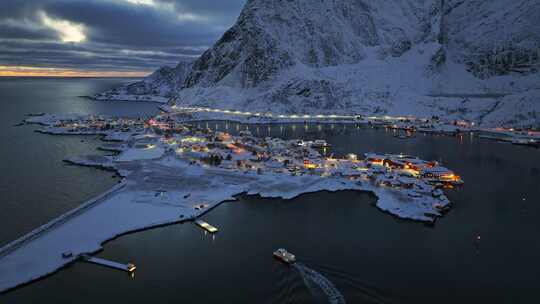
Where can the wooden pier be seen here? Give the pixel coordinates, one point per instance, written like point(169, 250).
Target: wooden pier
point(124, 267)
point(204, 225)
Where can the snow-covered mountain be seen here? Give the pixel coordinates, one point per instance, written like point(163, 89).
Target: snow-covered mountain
point(470, 59)
point(159, 86)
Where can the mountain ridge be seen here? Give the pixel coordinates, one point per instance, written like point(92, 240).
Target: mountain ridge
point(459, 59)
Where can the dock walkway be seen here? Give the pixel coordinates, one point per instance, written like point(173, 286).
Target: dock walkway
point(110, 264)
point(204, 225)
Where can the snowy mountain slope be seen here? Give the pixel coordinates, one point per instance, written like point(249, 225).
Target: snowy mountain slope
point(469, 59)
point(272, 36)
point(494, 37)
point(159, 86)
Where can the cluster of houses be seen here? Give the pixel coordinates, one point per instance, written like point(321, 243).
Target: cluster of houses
point(430, 171)
point(247, 152)
point(100, 124)
point(297, 157)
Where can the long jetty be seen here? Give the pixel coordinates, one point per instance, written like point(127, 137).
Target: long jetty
point(10, 247)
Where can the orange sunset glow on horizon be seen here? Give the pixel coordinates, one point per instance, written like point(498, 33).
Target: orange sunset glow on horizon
point(26, 71)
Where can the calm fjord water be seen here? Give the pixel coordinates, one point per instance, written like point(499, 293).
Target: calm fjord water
point(35, 185)
point(371, 257)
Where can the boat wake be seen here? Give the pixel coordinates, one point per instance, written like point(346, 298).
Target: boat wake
point(315, 280)
point(367, 293)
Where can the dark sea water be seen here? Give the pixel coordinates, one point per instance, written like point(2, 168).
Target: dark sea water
point(369, 256)
point(35, 185)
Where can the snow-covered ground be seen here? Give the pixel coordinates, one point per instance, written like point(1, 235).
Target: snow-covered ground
point(121, 95)
point(163, 186)
point(135, 206)
point(150, 152)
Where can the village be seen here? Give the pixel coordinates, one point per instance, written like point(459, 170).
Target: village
point(298, 157)
point(162, 134)
point(174, 172)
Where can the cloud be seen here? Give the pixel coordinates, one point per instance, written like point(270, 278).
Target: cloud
point(68, 31)
point(142, 2)
point(116, 35)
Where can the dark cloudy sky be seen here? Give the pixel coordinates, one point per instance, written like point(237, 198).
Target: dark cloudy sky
point(128, 36)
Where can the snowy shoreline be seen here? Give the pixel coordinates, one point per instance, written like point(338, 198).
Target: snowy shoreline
point(128, 98)
point(162, 185)
point(15, 252)
point(6, 249)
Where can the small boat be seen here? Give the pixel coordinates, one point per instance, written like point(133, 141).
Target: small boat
point(284, 256)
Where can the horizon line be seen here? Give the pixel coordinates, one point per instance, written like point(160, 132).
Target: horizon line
point(30, 71)
point(71, 76)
